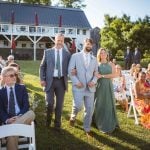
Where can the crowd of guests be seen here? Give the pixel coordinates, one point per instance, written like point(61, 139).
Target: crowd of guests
point(96, 84)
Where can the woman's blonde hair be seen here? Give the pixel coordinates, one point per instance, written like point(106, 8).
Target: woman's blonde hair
point(99, 52)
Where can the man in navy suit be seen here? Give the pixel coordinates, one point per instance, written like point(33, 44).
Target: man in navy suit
point(128, 58)
point(54, 77)
point(137, 56)
point(14, 104)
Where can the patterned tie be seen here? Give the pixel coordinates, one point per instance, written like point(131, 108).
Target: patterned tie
point(58, 64)
point(12, 111)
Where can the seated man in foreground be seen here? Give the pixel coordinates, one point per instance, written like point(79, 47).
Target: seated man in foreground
point(14, 104)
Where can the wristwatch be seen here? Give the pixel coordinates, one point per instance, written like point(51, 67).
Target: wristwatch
point(103, 76)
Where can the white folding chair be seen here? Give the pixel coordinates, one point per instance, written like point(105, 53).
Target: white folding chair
point(19, 130)
point(132, 106)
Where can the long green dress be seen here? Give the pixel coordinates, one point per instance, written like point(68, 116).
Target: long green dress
point(105, 112)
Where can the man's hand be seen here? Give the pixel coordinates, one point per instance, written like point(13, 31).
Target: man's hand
point(91, 84)
point(79, 85)
point(11, 120)
point(43, 83)
point(97, 75)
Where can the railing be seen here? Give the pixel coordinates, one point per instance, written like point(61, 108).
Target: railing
point(29, 30)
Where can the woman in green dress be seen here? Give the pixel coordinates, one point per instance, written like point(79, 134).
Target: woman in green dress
point(105, 112)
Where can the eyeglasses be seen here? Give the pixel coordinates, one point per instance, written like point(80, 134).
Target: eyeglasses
point(11, 75)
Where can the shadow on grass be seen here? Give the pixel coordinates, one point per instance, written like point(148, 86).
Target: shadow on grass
point(131, 139)
point(106, 141)
point(53, 140)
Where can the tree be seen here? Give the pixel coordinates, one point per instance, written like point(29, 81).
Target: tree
point(44, 2)
point(72, 3)
point(120, 32)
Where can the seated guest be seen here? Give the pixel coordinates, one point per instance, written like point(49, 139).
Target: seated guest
point(132, 69)
point(18, 72)
point(138, 69)
point(14, 104)
point(142, 99)
point(148, 67)
point(10, 59)
point(119, 84)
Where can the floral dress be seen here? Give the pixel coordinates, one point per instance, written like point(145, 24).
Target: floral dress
point(119, 91)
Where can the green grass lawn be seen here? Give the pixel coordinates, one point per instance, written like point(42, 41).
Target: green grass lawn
point(129, 137)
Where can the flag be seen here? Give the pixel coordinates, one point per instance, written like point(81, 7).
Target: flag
point(13, 44)
point(12, 17)
point(60, 21)
point(36, 19)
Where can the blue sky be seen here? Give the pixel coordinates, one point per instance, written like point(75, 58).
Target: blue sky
point(96, 9)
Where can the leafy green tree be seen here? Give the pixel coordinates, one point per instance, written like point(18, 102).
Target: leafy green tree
point(120, 32)
point(44, 2)
point(73, 3)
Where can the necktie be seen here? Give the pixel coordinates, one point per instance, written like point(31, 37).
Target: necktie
point(58, 64)
point(12, 111)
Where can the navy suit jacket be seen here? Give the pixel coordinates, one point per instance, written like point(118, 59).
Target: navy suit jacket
point(137, 57)
point(22, 100)
point(128, 57)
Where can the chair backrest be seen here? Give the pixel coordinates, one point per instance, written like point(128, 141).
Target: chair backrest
point(19, 130)
point(132, 105)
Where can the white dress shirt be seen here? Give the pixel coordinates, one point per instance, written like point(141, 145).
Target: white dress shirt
point(87, 58)
point(56, 70)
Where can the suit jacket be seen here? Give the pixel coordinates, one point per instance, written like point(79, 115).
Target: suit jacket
point(48, 64)
point(84, 74)
point(128, 57)
point(137, 57)
point(22, 100)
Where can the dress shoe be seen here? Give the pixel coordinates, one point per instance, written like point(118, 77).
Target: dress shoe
point(89, 134)
point(72, 122)
point(59, 130)
point(48, 123)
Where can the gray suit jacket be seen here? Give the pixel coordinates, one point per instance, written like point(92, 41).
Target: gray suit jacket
point(47, 67)
point(83, 75)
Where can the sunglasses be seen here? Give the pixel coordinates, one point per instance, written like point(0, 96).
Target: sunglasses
point(11, 75)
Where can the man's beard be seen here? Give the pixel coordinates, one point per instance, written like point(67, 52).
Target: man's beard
point(88, 49)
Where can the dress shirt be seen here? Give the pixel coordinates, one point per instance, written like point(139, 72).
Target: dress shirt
point(88, 57)
point(60, 54)
point(17, 109)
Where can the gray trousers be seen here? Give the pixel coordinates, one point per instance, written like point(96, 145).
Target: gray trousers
point(57, 90)
point(88, 99)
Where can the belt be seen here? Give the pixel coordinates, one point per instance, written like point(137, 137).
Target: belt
point(58, 78)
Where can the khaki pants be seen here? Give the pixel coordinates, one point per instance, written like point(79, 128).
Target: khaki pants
point(27, 118)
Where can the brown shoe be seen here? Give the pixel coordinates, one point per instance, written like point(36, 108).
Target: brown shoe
point(89, 134)
point(72, 122)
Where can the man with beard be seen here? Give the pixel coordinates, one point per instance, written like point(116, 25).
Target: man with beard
point(53, 76)
point(82, 67)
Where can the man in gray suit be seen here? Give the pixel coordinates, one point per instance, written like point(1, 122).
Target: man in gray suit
point(53, 76)
point(83, 83)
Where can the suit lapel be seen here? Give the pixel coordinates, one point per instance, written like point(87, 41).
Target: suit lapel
point(17, 92)
point(63, 56)
point(53, 56)
point(5, 97)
